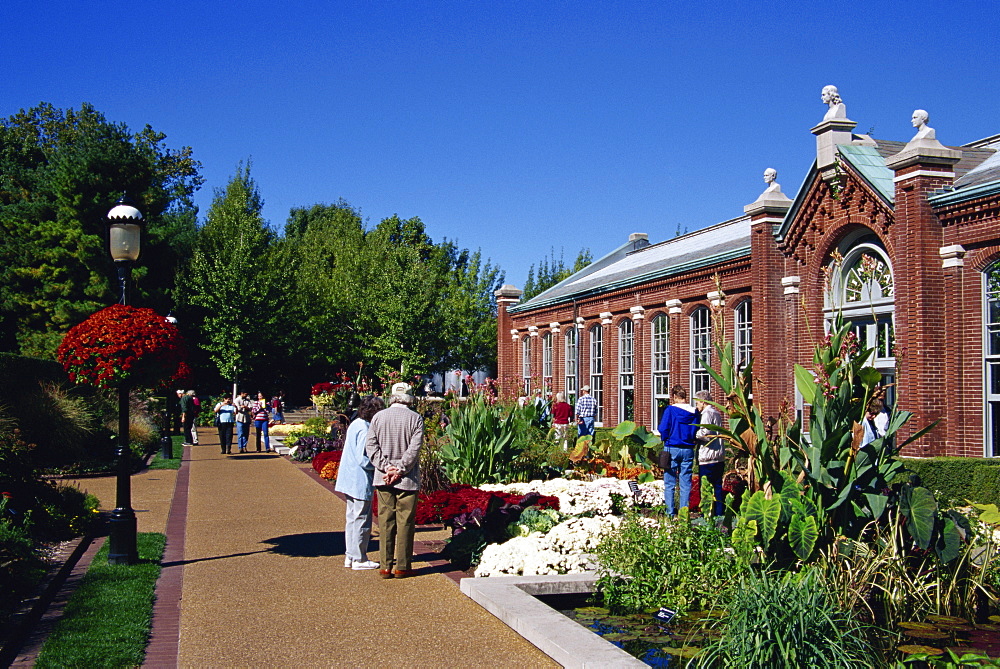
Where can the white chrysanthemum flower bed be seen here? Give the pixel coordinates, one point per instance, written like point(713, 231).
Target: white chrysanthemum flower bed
point(566, 549)
point(580, 498)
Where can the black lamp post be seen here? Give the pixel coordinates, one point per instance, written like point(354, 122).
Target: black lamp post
point(124, 229)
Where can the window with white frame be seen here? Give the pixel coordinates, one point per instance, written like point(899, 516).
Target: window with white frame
point(626, 370)
point(597, 369)
point(547, 361)
point(660, 340)
point(572, 351)
point(743, 317)
point(701, 349)
point(991, 347)
point(526, 365)
point(861, 288)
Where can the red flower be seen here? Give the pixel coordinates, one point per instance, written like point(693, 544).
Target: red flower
point(122, 344)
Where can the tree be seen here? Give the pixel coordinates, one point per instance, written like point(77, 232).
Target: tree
point(551, 272)
point(60, 173)
point(233, 281)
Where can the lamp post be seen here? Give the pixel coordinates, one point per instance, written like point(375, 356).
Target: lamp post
point(124, 230)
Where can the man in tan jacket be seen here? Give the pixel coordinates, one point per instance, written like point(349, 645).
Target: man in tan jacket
point(393, 446)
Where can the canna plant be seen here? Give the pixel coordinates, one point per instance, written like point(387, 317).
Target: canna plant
point(811, 486)
point(482, 443)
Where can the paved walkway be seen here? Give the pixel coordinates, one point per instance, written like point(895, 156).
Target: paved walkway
point(264, 583)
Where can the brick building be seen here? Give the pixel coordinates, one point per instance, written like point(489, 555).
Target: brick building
point(902, 237)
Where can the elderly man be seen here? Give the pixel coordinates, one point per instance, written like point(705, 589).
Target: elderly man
point(586, 412)
point(393, 446)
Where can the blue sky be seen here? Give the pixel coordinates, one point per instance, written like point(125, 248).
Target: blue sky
point(512, 127)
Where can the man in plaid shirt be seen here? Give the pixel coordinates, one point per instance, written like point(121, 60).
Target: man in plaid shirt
point(586, 411)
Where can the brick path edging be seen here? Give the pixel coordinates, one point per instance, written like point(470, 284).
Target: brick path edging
point(164, 639)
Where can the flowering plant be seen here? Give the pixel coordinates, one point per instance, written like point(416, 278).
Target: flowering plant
point(443, 506)
point(123, 345)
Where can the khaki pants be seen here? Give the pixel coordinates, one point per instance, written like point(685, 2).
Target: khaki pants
point(397, 513)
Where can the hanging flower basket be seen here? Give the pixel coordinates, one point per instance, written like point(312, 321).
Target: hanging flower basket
point(123, 345)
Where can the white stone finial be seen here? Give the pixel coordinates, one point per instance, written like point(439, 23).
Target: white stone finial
point(831, 97)
point(919, 121)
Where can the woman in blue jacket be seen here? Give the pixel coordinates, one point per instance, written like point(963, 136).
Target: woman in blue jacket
point(354, 479)
point(678, 428)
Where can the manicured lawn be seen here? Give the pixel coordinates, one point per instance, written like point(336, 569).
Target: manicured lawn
point(108, 618)
point(173, 463)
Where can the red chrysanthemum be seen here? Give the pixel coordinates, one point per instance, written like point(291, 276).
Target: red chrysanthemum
point(123, 345)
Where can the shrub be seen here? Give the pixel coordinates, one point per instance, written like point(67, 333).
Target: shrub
point(957, 479)
point(482, 443)
point(787, 620)
point(681, 564)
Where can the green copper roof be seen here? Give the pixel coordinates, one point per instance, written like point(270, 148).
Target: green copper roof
point(871, 165)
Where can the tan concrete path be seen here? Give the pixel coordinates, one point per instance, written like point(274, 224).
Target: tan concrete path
point(265, 586)
point(152, 490)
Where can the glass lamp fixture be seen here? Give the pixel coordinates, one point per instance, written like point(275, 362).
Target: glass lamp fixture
point(125, 227)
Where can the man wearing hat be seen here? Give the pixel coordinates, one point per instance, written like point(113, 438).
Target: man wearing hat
point(586, 412)
point(393, 445)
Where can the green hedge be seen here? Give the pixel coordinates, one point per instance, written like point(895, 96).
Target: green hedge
point(957, 479)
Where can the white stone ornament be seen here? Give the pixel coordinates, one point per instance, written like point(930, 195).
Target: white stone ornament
point(919, 121)
point(831, 98)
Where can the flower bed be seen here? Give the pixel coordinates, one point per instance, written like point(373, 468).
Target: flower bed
point(443, 506)
point(327, 463)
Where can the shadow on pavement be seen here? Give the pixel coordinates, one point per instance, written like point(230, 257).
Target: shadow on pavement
point(312, 544)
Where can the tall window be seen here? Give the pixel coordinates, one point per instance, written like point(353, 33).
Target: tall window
point(701, 349)
point(660, 331)
point(547, 361)
point(526, 365)
point(862, 290)
point(744, 333)
point(597, 369)
point(571, 360)
point(992, 350)
point(626, 370)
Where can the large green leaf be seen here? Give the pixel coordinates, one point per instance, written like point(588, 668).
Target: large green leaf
point(920, 509)
point(948, 544)
point(624, 429)
point(802, 536)
point(805, 381)
point(877, 503)
point(771, 519)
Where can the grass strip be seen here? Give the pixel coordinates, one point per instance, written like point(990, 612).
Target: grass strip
point(107, 620)
point(177, 450)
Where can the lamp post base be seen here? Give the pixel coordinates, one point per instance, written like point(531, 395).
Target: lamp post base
point(122, 537)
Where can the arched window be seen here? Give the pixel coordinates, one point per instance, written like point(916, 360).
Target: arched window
point(597, 369)
point(701, 349)
point(572, 357)
point(547, 361)
point(660, 340)
point(743, 319)
point(991, 347)
point(861, 288)
point(626, 370)
point(526, 365)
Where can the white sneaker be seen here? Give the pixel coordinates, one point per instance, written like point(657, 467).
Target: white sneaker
point(348, 562)
point(366, 564)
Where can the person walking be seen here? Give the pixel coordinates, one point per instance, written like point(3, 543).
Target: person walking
point(355, 479)
point(261, 420)
point(278, 408)
point(225, 420)
point(561, 411)
point(393, 445)
point(243, 419)
point(586, 412)
point(711, 448)
point(677, 429)
point(187, 418)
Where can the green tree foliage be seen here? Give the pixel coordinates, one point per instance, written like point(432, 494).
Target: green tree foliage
point(389, 296)
point(233, 281)
point(552, 271)
point(60, 173)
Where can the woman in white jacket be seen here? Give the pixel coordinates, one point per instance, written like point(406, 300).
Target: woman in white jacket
point(711, 448)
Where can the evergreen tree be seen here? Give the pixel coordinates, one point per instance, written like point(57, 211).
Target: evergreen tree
point(551, 272)
point(61, 171)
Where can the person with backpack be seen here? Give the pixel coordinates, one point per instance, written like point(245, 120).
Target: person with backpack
point(190, 405)
point(278, 408)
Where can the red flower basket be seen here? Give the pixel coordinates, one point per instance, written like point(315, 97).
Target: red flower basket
point(123, 345)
